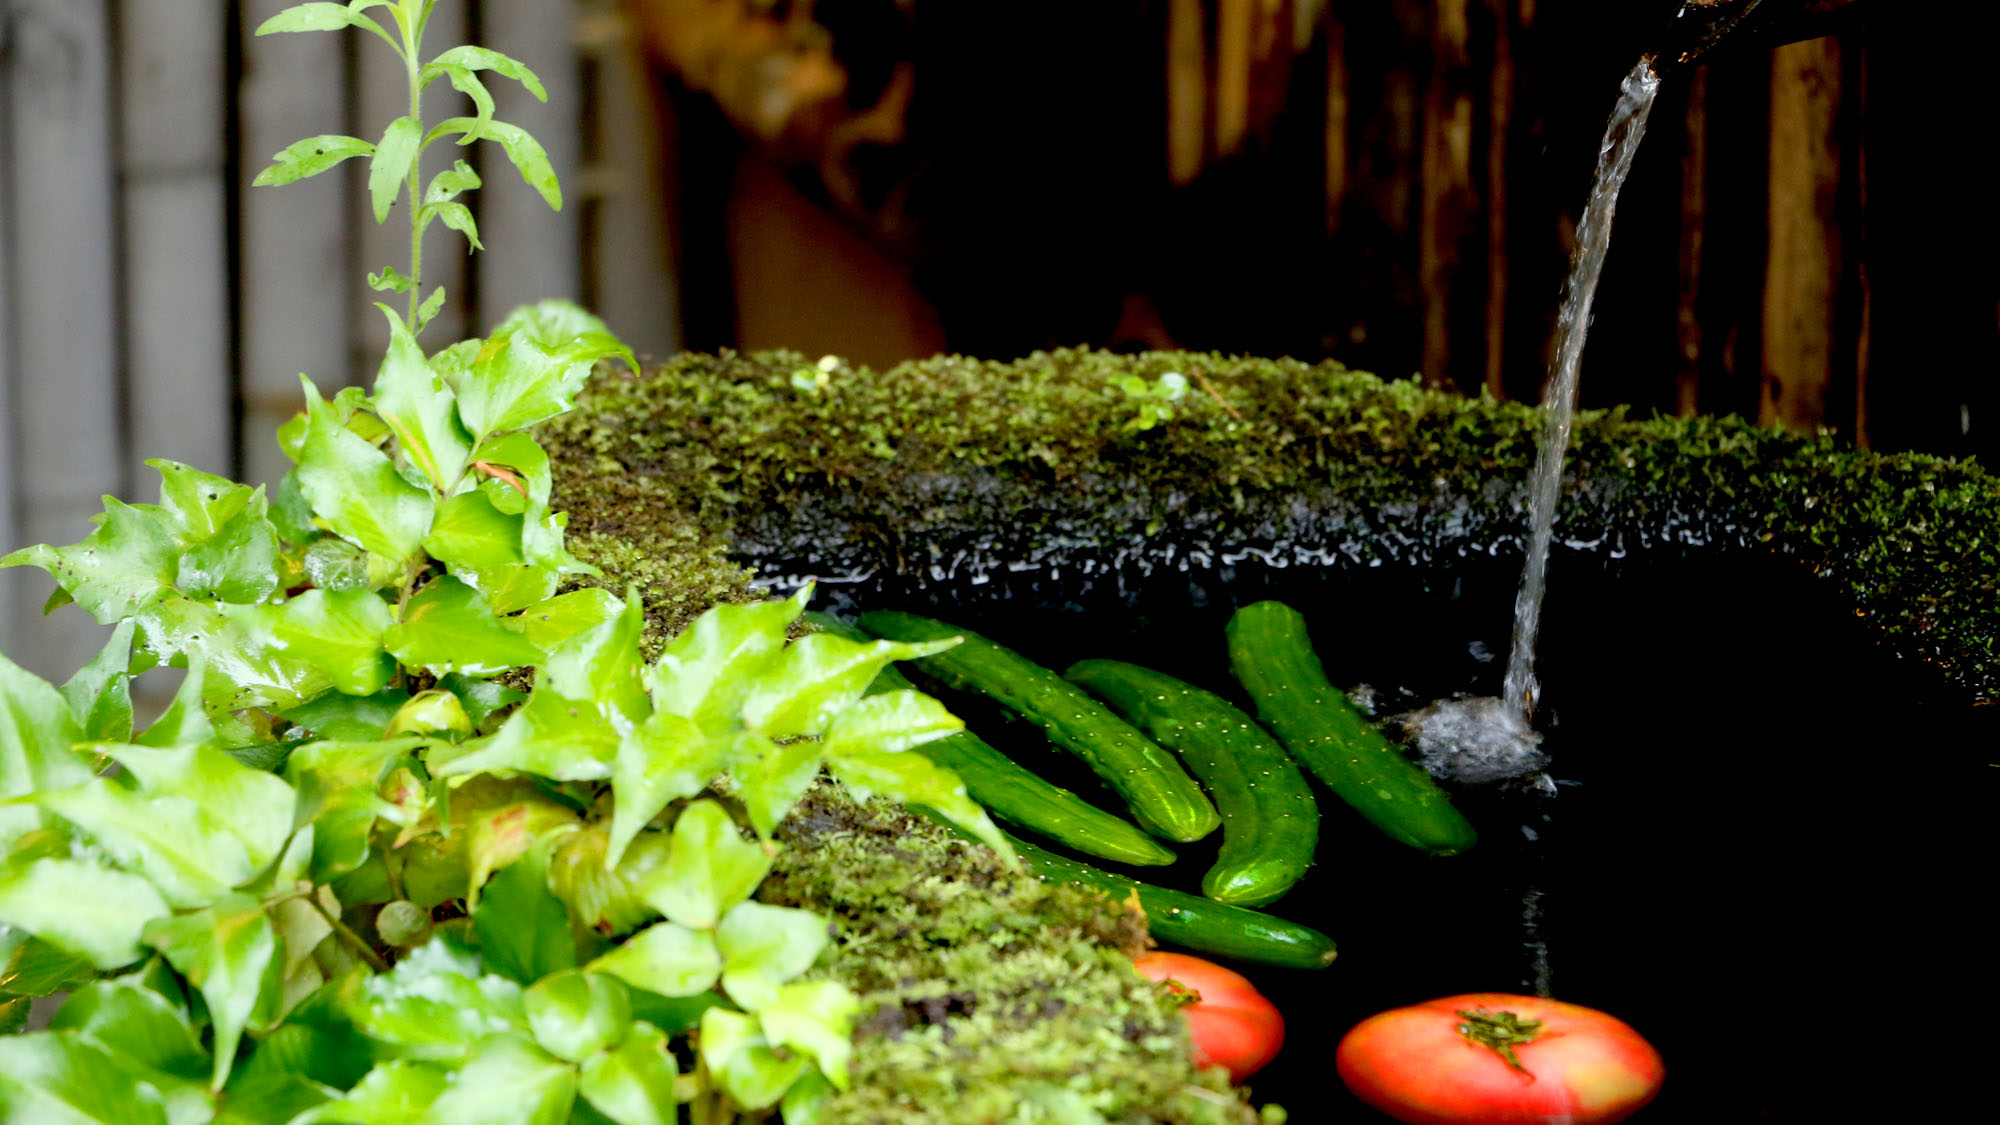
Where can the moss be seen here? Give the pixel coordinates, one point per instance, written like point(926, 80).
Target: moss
point(985, 992)
point(952, 467)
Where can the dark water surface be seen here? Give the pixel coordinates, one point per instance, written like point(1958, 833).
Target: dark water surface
point(1768, 852)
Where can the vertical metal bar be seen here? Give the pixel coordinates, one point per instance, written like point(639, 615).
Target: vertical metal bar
point(64, 326)
point(534, 253)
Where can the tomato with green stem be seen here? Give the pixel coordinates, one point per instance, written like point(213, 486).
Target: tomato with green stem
point(1491, 1058)
point(1232, 1024)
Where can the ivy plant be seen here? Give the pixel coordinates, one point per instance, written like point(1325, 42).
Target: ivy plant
point(354, 873)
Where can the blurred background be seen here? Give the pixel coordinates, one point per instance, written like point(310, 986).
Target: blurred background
point(1389, 183)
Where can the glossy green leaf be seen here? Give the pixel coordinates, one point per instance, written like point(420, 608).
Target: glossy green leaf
point(395, 153)
point(201, 505)
point(185, 722)
point(479, 58)
point(351, 718)
point(14, 1013)
point(353, 487)
point(508, 1081)
point(413, 400)
point(339, 632)
point(556, 621)
point(189, 858)
point(224, 951)
point(252, 805)
point(469, 533)
point(445, 187)
point(247, 667)
point(37, 733)
point(100, 694)
point(575, 1014)
point(603, 664)
point(660, 760)
point(557, 737)
point(633, 1083)
point(742, 1061)
point(394, 1093)
point(136, 1025)
point(610, 901)
point(521, 378)
point(36, 968)
point(80, 907)
point(522, 928)
point(710, 868)
point(889, 722)
point(127, 564)
point(916, 780)
point(765, 946)
point(307, 158)
point(819, 676)
point(435, 1004)
point(337, 566)
point(708, 671)
point(666, 958)
point(449, 627)
point(238, 564)
point(431, 712)
point(269, 1098)
point(51, 1079)
point(527, 154)
point(772, 778)
point(816, 1017)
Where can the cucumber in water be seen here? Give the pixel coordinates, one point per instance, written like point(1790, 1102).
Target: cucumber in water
point(1012, 793)
point(1270, 822)
point(1273, 659)
point(1163, 798)
point(1193, 922)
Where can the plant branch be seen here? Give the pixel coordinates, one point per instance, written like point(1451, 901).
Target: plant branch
point(353, 940)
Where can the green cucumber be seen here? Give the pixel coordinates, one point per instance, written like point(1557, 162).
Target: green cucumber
point(1273, 658)
point(1163, 798)
point(1270, 822)
point(1012, 793)
point(1193, 922)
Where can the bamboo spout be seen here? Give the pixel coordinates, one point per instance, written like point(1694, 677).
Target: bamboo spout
point(1702, 26)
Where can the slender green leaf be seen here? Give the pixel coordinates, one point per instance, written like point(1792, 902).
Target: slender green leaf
point(307, 158)
point(522, 928)
point(51, 1079)
point(468, 83)
point(667, 958)
point(449, 627)
point(479, 58)
point(432, 305)
point(356, 490)
point(225, 952)
point(709, 871)
point(527, 154)
point(395, 153)
point(633, 1083)
point(458, 217)
point(763, 947)
point(447, 186)
point(889, 722)
point(80, 907)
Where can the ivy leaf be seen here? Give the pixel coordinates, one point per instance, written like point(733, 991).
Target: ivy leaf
point(818, 676)
point(353, 487)
point(36, 968)
point(37, 733)
point(889, 722)
point(339, 632)
point(609, 900)
point(558, 737)
point(773, 777)
point(633, 1083)
point(575, 1014)
point(710, 868)
point(470, 534)
point(498, 836)
point(191, 860)
point(184, 722)
point(413, 400)
point(435, 1004)
point(479, 58)
point(916, 780)
point(348, 718)
point(201, 505)
point(394, 1093)
point(238, 563)
point(603, 664)
point(521, 925)
point(225, 952)
point(390, 167)
point(816, 1017)
point(522, 377)
point(662, 759)
point(60, 1078)
point(449, 627)
point(508, 1081)
point(127, 564)
point(432, 712)
point(82, 908)
point(252, 805)
point(763, 947)
point(246, 666)
point(307, 158)
point(804, 1103)
point(742, 1060)
point(100, 694)
point(138, 1026)
point(666, 958)
point(270, 1097)
point(707, 671)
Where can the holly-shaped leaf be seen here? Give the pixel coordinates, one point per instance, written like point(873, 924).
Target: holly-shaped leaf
point(127, 564)
point(888, 722)
point(575, 1014)
point(225, 951)
point(763, 947)
point(816, 1017)
point(341, 633)
point(100, 694)
point(772, 777)
point(633, 1083)
point(523, 376)
point(660, 760)
point(916, 780)
point(238, 564)
point(419, 408)
point(523, 930)
point(252, 805)
point(742, 1061)
point(710, 868)
point(667, 958)
point(355, 489)
point(80, 907)
point(819, 676)
point(708, 671)
point(449, 627)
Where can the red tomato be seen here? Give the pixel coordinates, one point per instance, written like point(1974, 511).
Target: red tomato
point(1233, 1025)
point(1494, 1059)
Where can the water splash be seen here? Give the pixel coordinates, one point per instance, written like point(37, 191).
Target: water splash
point(1593, 242)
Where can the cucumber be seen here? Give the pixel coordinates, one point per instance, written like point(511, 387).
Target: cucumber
point(1193, 922)
point(1163, 798)
point(1273, 659)
point(1270, 822)
point(1012, 793)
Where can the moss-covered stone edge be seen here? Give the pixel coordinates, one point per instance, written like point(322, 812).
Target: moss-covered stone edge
point(682, 479)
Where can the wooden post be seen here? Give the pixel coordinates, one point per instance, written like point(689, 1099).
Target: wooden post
point(1802, 278)
point(1448, 195)
point(175, 234)
point(1233, 22)
point(1500, 103)
point(1187, 90)
point(1694, 230)
point(535, 253)
point(1338, 95)
point(62, 271)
